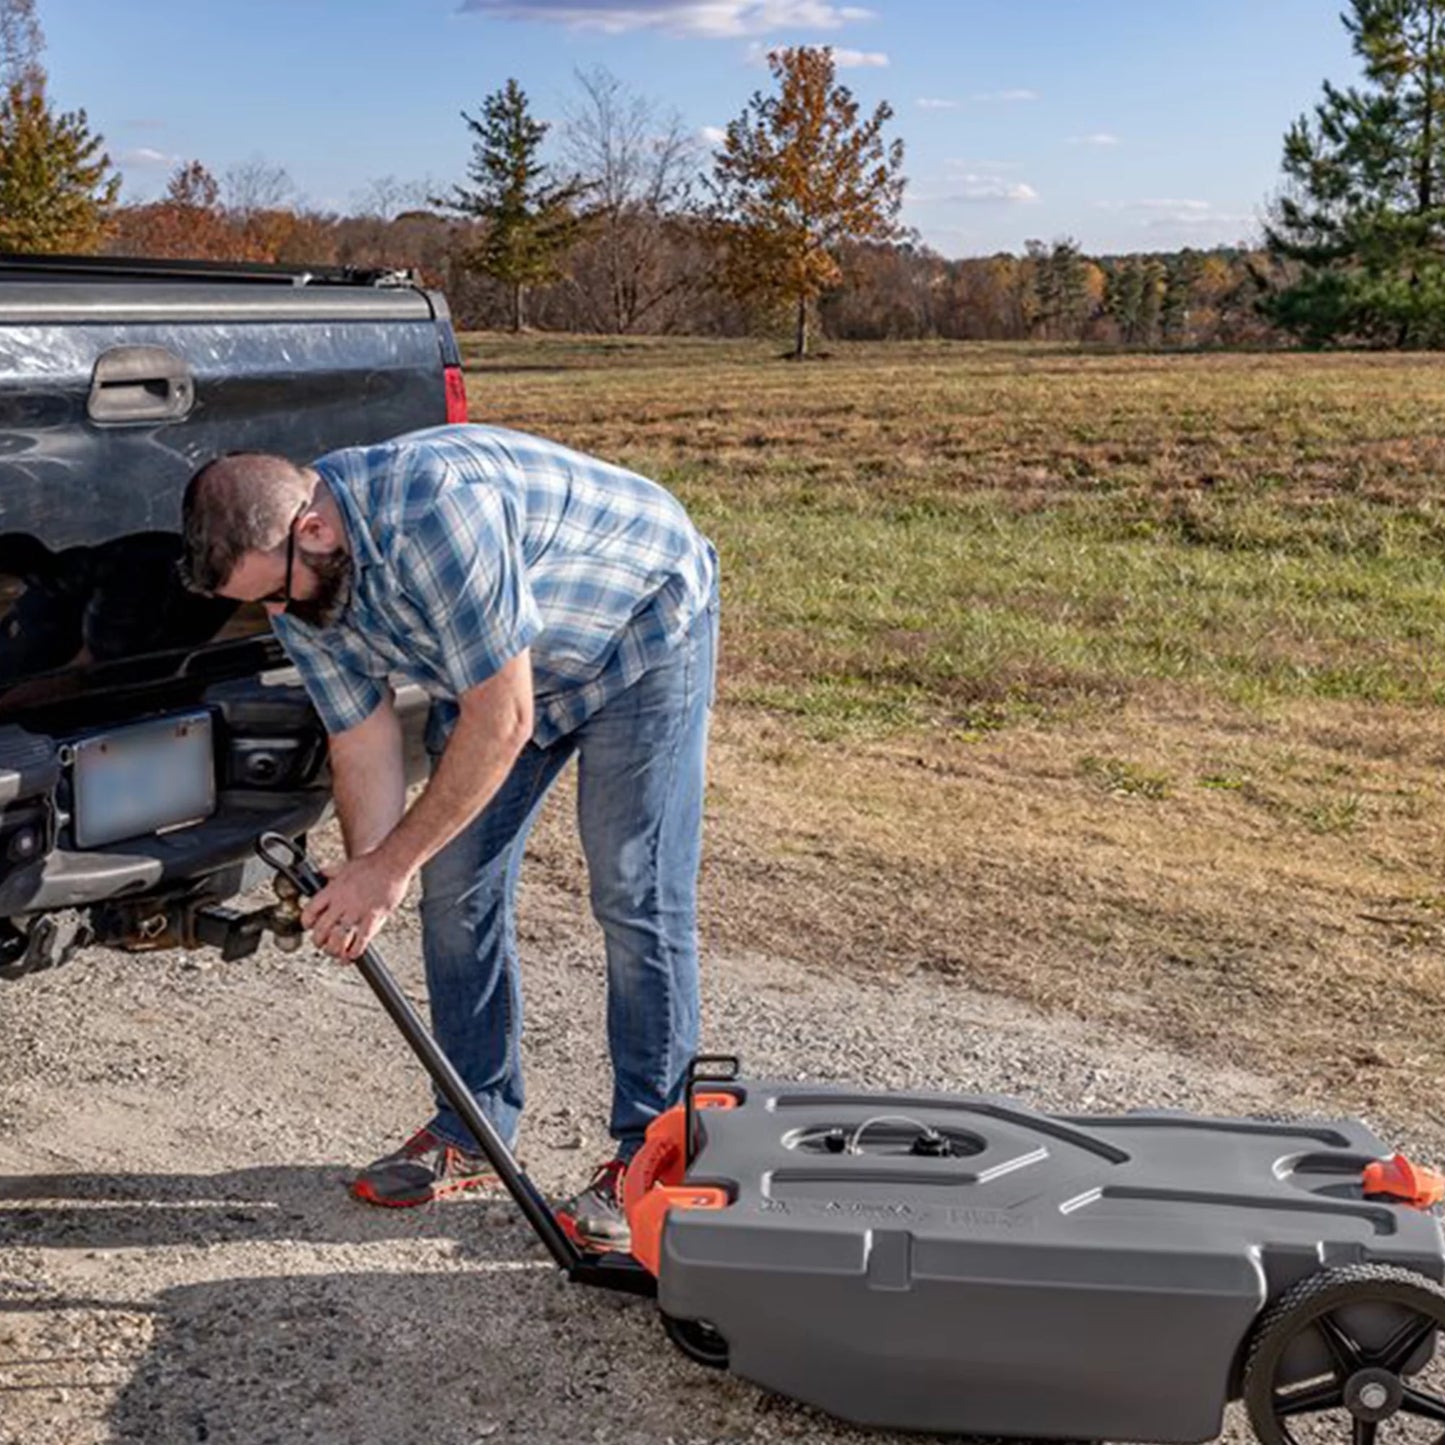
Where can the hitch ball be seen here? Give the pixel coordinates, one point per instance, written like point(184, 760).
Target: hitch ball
point(284, 916)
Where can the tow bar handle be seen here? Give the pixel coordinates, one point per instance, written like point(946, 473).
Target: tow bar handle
point(612, 1271)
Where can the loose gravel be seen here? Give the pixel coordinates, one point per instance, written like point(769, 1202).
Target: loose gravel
point(179, 1261)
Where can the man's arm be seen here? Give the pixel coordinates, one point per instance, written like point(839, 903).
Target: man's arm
point(368, 779)
point(493, 727)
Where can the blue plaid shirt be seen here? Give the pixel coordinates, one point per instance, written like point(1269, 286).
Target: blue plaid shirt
point(470, 543)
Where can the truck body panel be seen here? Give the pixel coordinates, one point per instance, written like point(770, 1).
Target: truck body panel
point(117, 381)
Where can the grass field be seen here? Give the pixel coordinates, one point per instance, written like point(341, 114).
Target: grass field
point(1107, 681)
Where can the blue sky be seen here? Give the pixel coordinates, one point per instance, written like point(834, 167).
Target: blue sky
point(1127, 124)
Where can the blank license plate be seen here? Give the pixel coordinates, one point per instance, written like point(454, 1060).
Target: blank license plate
point(143, 778)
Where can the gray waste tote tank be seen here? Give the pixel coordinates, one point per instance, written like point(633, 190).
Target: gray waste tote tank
point(960, 1263)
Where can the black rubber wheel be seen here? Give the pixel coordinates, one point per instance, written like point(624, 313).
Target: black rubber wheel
point(1336, 1354)
point(698, 1341)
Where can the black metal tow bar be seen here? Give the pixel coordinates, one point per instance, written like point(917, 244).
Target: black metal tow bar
point(608, 1271)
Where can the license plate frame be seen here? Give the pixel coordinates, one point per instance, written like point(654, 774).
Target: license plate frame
point(141, 779)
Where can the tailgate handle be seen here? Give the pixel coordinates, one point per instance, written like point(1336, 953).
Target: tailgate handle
point(140, 383)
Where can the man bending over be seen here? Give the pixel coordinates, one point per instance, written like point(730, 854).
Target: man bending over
point(553, 606)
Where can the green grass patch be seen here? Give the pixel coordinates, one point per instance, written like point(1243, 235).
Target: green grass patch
point(959, 536)
point(1123, 779)
point(1329, 814)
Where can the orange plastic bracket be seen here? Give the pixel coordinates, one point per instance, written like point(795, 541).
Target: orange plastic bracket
point(1399, 1178)
point(653, 1185)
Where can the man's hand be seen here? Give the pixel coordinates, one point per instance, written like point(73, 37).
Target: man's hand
point(360, 895)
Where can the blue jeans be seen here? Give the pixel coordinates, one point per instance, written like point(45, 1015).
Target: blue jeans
point(640, 766)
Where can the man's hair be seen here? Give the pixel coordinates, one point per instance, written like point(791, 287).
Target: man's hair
point(238, 503)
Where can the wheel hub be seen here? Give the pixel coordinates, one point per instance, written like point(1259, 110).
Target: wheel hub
point(1373, 1395)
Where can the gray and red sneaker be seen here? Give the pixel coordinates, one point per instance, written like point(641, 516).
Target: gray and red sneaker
point(424, 1169)
point(595, 1218)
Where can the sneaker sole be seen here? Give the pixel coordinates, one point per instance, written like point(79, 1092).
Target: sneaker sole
point(361, 1190)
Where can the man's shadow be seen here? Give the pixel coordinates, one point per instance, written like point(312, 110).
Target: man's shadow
point(474, 1335)
point(144, 1211)
point(480, 1348)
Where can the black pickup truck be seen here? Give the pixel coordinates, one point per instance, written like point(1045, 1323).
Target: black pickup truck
point(148, 736)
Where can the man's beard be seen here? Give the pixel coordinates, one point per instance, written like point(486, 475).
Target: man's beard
point(332, 571)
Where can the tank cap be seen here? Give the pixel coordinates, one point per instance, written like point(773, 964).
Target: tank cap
point(1410, 1183)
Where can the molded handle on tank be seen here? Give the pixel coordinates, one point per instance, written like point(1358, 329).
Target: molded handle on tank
point(1401, 1178)
point(140, 383)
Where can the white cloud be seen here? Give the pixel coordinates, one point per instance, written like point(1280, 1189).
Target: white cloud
point(984, 189)
point(1098, 138)
point(713, 135)
point(929, 103)
point(1170, 213)
point(1165, 209)
point(708, 19)
point(1152, 205)
point(1210, 219)
point(147, 156)
point(1159, 215)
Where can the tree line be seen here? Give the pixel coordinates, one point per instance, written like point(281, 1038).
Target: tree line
point(648, 274)
point(616, 220)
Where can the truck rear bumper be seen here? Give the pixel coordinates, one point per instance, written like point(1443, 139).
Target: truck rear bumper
point(262, 720)
point(183, 858)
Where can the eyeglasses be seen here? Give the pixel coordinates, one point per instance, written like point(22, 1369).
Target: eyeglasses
point(283, 594)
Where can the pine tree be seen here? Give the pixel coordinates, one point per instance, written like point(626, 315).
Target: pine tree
point(1181, 278)
point(56, 186)
point(1041, 304)
point(531, 222)
point(1124, 299)
point(797, 177)
point(1154, 276)
point(1070, 287)
point(56, 193)
point(1360, 226)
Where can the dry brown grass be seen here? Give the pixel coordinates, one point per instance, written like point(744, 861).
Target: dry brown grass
point(1250, 923)
point(960, 416)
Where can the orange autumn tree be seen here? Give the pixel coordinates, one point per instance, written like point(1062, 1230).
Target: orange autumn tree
point(797, 175)
point(186, 223)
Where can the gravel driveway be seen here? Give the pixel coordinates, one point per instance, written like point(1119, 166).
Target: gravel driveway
point(179, 1261)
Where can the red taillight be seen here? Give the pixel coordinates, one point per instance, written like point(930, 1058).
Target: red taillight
point(456, 385)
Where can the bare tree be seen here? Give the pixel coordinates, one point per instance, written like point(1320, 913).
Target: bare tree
point(386, 197)
point(640, 164)
point(255, 185)
point(21, 42)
